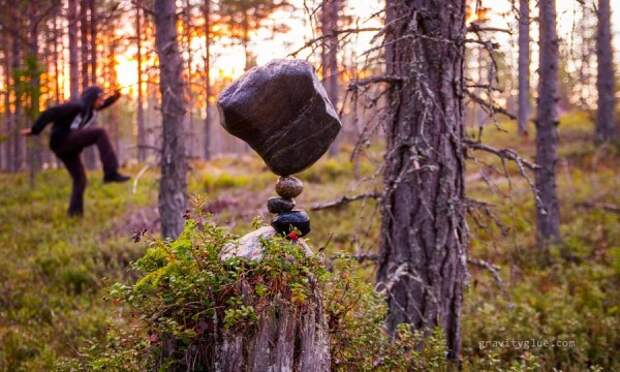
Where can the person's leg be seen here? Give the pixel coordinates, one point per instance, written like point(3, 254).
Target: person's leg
point(76, 170)
point(96, 136)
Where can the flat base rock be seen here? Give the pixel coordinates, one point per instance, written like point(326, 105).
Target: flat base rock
point(250, 247)
point(283, 112)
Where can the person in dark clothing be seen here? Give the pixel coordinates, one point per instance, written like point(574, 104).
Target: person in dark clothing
point(71, 134)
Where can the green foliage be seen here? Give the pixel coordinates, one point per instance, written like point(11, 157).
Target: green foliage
point(217, 181)
point(184, 285)
point(359, 342)
point(55, 269)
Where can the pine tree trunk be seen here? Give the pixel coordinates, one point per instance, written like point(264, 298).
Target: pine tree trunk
point(207, 128)
point(547, 211)
point(524, 66)
point(56, 59)
point(329, 55)
point(190, 135)
point(605, 82)
point(140, 103)
point(173, 183)
point(17, 155)
point(34, 146)
point(424, 234)
point(93, 41)
point(90, 155)
point(73, 49)
point(8, 115)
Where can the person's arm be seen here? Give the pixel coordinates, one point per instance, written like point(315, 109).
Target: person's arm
point(110, 100)
point(50, 115)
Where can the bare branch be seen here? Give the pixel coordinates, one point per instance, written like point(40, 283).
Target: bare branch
point(607, 207)
point(345, 200)
point(494, 270)
point(509, 154)
point(490, 106)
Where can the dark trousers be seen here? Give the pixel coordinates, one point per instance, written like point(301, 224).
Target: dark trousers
point(69, 150)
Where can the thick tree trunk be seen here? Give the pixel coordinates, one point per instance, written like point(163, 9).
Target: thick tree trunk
point(329, 55)
point(73, 49)
point(605, 82)
point(207, 128)
point(524, 66)
point(140, 103)
point(173, 183)
point(424, 233)
point(547, 211)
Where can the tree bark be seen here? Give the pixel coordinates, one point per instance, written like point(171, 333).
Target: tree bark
point(17, 155)
point(547, 211)
point(173, 183)
point(207, 128)
point(329, 55)
point(140, 103)
point(424, 233)
point(84, 44)
point(190, 135)
point(56, 58)
point(90, 155)
point(34, 146)
point(605, 81)
point(73, 49)
point(524, 66)
point(8, 115)
point(93, 40)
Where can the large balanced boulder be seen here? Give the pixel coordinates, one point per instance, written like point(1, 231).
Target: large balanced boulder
point(282, 111)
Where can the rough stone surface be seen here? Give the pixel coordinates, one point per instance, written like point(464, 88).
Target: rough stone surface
point(250, 247)
point(282, 111)
point(279, 205)
point(289, 187)
point(299, 219)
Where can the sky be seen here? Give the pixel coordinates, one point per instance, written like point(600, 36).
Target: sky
point(229, 61)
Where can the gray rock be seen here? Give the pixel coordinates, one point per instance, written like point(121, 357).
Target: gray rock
point(289, 187)
point(278, 205)
point(250, 245)
point(282, 111)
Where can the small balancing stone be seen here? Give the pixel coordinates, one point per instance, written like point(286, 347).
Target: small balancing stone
point(289, 187)
point(293, 224)
point(276, 204)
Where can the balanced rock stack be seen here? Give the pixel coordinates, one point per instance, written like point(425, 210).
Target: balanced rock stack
point(283, 112)
point(288, 221)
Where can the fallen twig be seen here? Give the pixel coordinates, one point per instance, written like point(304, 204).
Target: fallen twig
point(345, 200)
point(494, 270)
point(134, 189)
point(604, 206)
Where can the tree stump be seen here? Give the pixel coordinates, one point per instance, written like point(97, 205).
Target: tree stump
point(285, 337)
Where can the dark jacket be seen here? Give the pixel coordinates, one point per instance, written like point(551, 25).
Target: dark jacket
point(62, 116)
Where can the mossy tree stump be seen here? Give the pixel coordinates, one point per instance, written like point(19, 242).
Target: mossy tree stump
point(286, 331)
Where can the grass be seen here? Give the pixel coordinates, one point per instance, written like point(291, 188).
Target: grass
point(57, 271)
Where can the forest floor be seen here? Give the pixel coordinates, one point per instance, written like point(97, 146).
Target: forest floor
point(56, 272)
